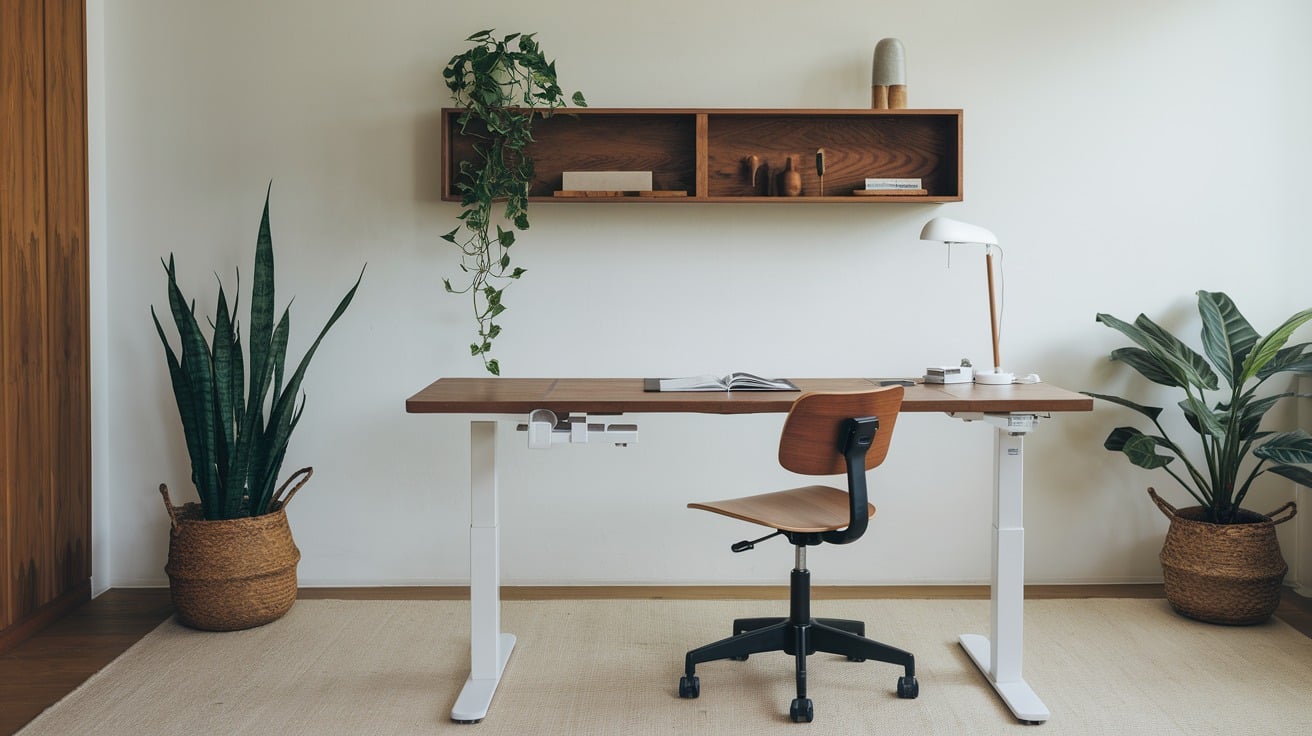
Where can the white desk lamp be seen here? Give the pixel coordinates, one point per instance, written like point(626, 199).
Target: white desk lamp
point(947, 230)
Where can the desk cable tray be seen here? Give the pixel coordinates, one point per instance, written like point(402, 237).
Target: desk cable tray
point(546, 429)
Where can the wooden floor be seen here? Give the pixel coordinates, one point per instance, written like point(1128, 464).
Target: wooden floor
point(43, 669)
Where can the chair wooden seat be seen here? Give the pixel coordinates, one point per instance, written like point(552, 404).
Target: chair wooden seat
point(806, 509)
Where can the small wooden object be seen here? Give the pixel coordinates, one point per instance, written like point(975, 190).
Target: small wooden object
point(790, 180)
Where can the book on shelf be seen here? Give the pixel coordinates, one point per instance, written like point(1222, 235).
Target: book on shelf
point(893, 183)
point(731, 382)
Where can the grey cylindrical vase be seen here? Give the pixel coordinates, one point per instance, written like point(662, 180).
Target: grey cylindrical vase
point(888, 75)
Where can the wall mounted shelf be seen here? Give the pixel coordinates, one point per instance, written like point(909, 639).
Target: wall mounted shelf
point(701, 155)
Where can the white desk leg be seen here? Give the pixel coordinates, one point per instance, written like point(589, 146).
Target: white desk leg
point(999, 659)
point(489, 649)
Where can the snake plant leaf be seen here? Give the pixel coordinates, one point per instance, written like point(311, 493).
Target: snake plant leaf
point(224, 437)
point(1292, 359)
point(1148, 365)
point(1301, 476)
point(284, 405)
point(1142, 451)
point(1195, 367)
point(1268, 347)
point(262, 288)
point(1227, 335)
point(198, 371)
point(263, 445)
point(1151, 412)
point(182, 394)
point(1287, 447)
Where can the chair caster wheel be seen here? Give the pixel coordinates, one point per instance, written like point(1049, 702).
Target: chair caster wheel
point(856, 659)
point(741, 658)
point(690, 687)
point(907, 687)
point(801, 711)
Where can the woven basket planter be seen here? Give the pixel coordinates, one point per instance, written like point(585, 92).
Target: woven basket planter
point(232, 574)
point(1223, 573)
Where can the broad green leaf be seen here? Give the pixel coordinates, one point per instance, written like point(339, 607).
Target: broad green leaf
point(1268, 347)
point(1118, 437)
point(1287, 447)
point(1147, 364)
point(1292, 359)
point(578, 99)
point(1142, 451)
point(1196, 368)
point(1201, 418)
point(1143, 340)
point(1251, 413)
point(1151, 412)
point(1301, 476)
point(1227, 336)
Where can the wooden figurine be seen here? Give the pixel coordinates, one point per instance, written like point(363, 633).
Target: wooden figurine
point(888, 77)
point(790, 180)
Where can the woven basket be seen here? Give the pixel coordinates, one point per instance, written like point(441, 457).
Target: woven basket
point(232, 574)
point(1223, 573)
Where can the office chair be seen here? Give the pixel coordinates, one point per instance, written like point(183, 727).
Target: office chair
point(824, 434)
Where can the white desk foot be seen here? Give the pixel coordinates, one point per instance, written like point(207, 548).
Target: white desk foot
point(477, 694)
point(1018, 695)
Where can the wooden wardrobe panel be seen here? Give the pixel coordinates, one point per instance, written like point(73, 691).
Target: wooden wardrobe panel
point(44, 314)
point(67, 284)
point(23, 328)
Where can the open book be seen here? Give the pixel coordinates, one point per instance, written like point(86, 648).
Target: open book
point(731, 382)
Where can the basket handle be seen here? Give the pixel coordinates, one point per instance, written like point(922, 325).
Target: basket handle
point(1166, 508)
point(278, 497)
point(168, 505)
point(1292, 511)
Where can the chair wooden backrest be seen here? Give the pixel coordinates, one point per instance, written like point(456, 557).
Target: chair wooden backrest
point(809, 443)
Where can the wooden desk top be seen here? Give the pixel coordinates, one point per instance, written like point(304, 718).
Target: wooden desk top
point(620, 395)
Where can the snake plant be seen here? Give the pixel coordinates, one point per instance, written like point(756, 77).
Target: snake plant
point(236, 450)
point(1241, 361)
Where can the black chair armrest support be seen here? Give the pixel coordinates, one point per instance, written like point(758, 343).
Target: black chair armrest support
point(854, 442)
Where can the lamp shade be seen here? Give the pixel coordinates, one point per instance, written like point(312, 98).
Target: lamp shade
point(948, 230)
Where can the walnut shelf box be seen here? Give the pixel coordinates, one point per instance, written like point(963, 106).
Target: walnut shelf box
point(708, 155)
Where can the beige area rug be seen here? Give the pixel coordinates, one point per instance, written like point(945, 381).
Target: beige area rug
point(1103, 666)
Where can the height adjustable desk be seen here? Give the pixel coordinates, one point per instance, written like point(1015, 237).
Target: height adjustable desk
point(1013, 411)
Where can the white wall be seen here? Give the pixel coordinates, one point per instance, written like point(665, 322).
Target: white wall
point(1126, 153)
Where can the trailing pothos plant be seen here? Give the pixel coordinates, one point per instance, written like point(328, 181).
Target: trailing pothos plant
point(237, 449)
point(1227, 423)
point(501, 91)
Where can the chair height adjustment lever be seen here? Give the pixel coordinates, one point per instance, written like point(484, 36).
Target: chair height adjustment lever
point(745, 545)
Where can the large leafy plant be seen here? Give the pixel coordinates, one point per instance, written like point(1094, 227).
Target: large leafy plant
point(1222, 403)
point(501, 90)
point(237, 429)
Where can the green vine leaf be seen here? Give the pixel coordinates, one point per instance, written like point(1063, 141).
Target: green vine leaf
point(503, 85)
